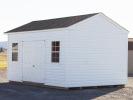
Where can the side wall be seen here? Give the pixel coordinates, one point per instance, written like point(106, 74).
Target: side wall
point(98, 54)
point(54, 72)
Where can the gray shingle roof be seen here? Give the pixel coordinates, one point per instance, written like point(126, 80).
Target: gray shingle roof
point(51, 23)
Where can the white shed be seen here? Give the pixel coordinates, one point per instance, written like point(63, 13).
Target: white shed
point(76, 51)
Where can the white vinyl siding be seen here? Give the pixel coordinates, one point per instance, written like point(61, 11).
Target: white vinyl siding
point(93, 52)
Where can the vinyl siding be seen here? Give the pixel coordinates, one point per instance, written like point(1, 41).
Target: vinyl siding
point(98, 54)
point(54, 72)
point(93, 53)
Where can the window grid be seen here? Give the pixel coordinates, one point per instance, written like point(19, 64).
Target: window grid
point(55, 51)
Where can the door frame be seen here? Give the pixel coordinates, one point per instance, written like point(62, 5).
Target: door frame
point(22, 63)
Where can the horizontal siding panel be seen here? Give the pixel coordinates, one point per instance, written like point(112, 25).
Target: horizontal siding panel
point(97, 56)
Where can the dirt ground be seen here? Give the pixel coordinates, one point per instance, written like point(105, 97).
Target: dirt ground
point(3, 75)
point(12, 91)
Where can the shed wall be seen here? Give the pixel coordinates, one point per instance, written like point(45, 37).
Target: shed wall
point(93, 52)
point(98, 54)
point(55, 72)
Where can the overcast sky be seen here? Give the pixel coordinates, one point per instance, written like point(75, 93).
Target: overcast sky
point(14, 13)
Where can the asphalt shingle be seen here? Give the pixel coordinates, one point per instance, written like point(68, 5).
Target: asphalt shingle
point(51, 23)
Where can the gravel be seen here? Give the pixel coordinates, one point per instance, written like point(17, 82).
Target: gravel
point(13, 91)
point(120, 94)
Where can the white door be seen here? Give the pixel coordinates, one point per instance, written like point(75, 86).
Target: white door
point(33, 61)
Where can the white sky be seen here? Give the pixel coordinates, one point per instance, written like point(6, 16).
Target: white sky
point(14, 13)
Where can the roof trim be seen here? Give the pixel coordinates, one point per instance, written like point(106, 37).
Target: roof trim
point(113, 22)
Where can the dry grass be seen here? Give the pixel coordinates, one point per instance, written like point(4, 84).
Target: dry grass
point(3, 75)
point(3, 60)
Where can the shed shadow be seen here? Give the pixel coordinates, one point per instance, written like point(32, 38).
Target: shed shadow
point(20, 91)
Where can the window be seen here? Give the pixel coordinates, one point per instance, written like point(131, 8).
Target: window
point(14, 51)
point(130, 45)
point(55, 51)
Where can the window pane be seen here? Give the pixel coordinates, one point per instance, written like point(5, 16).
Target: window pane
point(57, 43)
point(55, 51)
point(53, 48)
point(55, 54)
point(57, 48)
point(53, 43)
point(15, 46)
point(56, 59)
point(14, 51)
point(14, 56)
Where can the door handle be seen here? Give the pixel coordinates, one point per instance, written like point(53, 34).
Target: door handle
point(33, 65)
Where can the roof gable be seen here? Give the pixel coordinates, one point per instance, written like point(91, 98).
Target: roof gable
point(113, 22)
point(51, 23)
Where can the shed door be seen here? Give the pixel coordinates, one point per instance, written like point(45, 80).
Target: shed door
point(33, 61)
